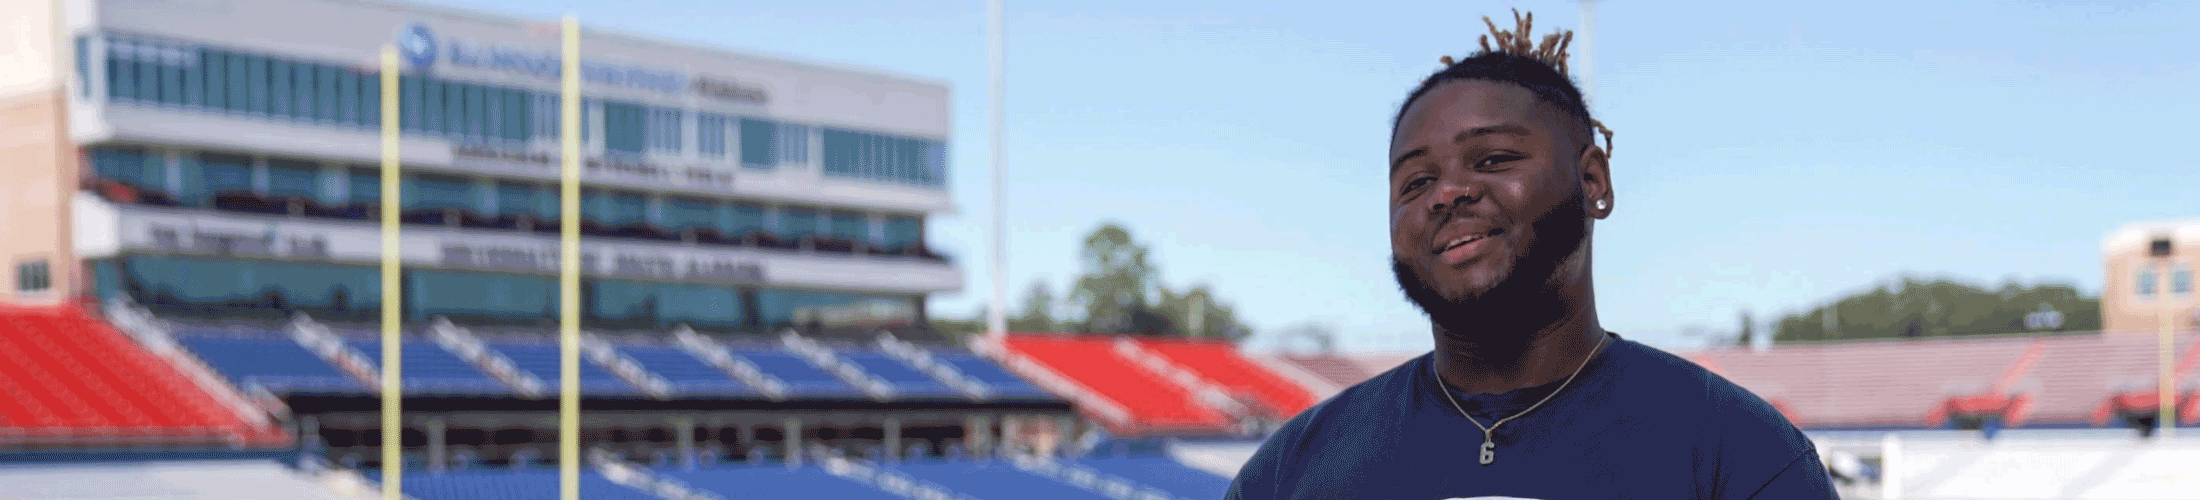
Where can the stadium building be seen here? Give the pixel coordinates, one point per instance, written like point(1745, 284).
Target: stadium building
point(2149, 273)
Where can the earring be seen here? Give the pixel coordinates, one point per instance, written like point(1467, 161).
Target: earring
point(1601, 204)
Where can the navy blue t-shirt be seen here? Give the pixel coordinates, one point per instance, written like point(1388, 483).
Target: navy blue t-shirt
point(1636, 423)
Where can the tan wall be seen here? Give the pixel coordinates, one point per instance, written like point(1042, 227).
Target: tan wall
point(2122, 311)
point(38, 172)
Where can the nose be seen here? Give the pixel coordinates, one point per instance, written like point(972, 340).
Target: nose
point(1453, 195)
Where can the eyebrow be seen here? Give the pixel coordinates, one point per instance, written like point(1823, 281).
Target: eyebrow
point(1508, 129)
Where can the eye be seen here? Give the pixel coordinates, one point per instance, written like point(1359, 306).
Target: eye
point(1415, 183)
point(1493, 161)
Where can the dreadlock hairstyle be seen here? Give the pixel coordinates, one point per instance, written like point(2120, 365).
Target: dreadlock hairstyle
point(1539, 67)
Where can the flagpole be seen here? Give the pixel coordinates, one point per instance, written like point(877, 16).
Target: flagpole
point(393, 459)
point(997, 315)
point(1587, 69)
point(569, 269)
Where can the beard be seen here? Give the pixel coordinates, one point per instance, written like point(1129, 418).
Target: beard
point(1523, 300)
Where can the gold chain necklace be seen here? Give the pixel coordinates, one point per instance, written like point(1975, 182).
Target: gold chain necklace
point(1489, 443)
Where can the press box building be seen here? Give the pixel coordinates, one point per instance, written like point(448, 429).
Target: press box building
point(224, 155)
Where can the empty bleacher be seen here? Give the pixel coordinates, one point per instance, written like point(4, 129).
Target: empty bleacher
point(994, 481)
point(543, 361)
point(689, 376)
point(278, 364)
point(1154, 402)
point(2078, 375)
point(776, 482)
point(1164, 473)
point(1335, 370)
point(1003, 383)
point(430, 369)
point(802, 378)
point(1220, 363)
point(67, 378)
point(510, 485)
point(907, 381)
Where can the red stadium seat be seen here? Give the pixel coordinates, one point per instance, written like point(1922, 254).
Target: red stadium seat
point(1093, 362)
point(1220, 363)
point(68, 378)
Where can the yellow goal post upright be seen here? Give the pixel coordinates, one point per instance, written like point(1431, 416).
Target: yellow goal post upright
point(569, 267)
point(393, 388)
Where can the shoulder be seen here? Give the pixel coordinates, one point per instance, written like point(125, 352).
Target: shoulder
point(1326, 425)
point(1702, 394)
point(1746, 446)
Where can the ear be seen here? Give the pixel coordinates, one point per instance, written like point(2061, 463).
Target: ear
point(1596, 181)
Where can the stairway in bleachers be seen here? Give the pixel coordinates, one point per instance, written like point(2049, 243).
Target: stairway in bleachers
point(688, 375)
point(68, 378)
point(802, 377)
point(907, 381)
point(543, 361)
point(1003, 383)
point(1220, 364)
point(429, 369)
point(278, 364)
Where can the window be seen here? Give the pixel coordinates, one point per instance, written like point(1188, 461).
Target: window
point(215, 66)
point(431, 107)
point(475, 105)
point(2180, 283)
point(742, 218)
point(121, 85)
point(851, 226)
point(84, 66)
point(293, 178)
point(411, 94)
point(614, 208)
point(495, 296)
point(33, 276)
point(430, 192)
point(225, 173)
point(684, 213)
point(283, 93)
point(347, 95)
point(148, 73)
point(624, 127)
point(759, 141)
point(861, 155)
point(519, 198)
point(2146, 282)
point(710, 135)
point(664, 130)
point(2159, 248)
point(794, 143)
point(130, 165)
point(902, 230)
point(260, 81)
point(799, 308)
point(797, 222)
point(366, 186)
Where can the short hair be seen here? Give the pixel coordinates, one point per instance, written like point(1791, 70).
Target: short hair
point(1540, 68)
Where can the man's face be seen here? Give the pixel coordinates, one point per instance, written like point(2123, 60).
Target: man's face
point(1487, 202)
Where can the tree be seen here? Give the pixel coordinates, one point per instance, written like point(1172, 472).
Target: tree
point(1320, 338)
point(1038, 311)
point(1196, 313)
point(1117, 277)
point(957, 330)
point(1913, 307)
point(1748, 331)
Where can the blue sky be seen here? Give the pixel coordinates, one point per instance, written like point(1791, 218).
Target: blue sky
point(1770, 155)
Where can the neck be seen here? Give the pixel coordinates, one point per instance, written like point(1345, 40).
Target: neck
point(1495, 357)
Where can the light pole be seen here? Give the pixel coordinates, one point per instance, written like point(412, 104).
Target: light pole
point(997, 316)
point(2166, 411)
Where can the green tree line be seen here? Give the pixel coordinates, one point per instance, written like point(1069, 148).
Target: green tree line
point(1915, 308)
point(1118, 290)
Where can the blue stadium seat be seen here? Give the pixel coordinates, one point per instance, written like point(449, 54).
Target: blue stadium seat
point(1004, 384)
point(507, 485)
point(1164, 473)
point(908, 381)
point(776, 482)
point(996, 481)
point(687, 374)
point(543, 362)
point(279, 364)
point(431, 370)
point(802, 378)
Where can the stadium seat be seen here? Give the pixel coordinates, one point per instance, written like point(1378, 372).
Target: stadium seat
point(995, 481)
point(1164, 473)
point(429, 369)
point(1092, 361)
point(543, 361)
point(69, 378)
point(776, 482)
point(688, 375)
point(1004, 384)
point(508, 485)
point(278, 364)
point(907, 381)
point(1220, 363)
point(802, 378)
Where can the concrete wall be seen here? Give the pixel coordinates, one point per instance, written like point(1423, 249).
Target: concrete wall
point(38, 166)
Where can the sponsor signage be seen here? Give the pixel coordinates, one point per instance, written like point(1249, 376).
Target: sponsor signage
point(422, 49)
point(270, 243)
point(628, 170)
point(615, 262)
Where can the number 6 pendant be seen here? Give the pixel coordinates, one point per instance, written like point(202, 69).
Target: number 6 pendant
point(1489, 452)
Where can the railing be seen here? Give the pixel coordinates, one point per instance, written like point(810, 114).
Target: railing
point(462, 342)
point(626, 474)
point(740, 369)
point(824, 357)
point(139, 324)
point(317, 337)
point(1047, 378)
point(607, 356)
point(924, 362)
point(1215, 397)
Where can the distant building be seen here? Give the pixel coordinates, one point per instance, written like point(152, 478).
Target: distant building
point(2149, 271)
point(227, 155)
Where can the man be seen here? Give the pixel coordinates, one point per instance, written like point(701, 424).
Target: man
point(1495, 183)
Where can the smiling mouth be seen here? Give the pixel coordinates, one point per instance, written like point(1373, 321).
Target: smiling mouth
point(1463, 240)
